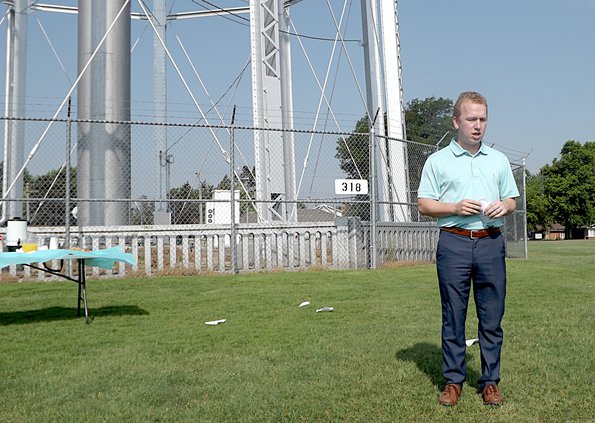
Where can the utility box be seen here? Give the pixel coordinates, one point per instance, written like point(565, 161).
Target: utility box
point(162, 218)
point(219, 210)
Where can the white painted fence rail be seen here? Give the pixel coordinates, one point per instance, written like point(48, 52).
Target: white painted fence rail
point(195, 249)
point(411, 241)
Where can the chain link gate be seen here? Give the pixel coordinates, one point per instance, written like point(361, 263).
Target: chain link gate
point(177, 202)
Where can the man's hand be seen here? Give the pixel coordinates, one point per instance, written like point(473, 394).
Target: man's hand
point(435, 208)
point(502, 208)
point(495, 209)
point(467, 207)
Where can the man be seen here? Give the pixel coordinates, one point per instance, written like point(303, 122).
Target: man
point(469, 187)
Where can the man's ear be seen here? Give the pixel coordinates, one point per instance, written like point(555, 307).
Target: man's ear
point(455, 123)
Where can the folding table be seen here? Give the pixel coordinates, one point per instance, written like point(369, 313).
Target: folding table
point(99, 258)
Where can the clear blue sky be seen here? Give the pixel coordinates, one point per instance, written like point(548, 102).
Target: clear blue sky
point(533, 59)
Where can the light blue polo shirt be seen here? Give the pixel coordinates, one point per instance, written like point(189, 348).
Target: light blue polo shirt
point(453, 174)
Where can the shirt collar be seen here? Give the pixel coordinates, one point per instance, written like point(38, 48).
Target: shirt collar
point(459, 151)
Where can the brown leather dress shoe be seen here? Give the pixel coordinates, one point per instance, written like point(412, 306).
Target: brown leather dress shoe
point(491, 395)
point(450, 395)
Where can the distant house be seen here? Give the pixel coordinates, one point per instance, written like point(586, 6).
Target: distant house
point(558, 231)
point(581, 233)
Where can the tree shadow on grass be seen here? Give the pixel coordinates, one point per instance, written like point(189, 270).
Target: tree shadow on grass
point(51, 314)
point(428, 358)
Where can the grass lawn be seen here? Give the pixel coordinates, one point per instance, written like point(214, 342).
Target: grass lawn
point(148, 355)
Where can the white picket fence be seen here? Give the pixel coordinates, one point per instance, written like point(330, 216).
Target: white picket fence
point(196, 249)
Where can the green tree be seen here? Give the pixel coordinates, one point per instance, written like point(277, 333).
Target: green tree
point(187, 203)
point(44, 197)
point(354, 160)
point(247, 188)
point(429, 120)
point(143, 211)
point(429, 123)
point(27, 179)
point(352, 151)
point(248, 180)
point(569, 185)
point(537, 203)
point(225, 183)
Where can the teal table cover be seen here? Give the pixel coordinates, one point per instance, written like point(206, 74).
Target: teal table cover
point(99, 258)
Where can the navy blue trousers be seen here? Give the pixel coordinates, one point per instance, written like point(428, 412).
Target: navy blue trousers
point(463, 262)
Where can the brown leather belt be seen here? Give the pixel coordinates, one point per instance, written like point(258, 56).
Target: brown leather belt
point(474, 233)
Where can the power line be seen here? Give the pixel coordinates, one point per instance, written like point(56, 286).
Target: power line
point(311, 37)
point(218, 9)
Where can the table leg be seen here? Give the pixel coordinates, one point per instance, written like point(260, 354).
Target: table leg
point(82, 282)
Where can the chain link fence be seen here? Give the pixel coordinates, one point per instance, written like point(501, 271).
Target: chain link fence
point(148, 177)
point(515, 225)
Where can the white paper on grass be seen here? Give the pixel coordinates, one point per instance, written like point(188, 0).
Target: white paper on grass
point(325, 309)
point(305, 303)
point(470, 342)
point(215, 322)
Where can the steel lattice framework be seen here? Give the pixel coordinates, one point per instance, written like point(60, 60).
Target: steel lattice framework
point(271, 92)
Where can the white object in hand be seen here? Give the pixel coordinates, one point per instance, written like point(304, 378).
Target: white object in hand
point(484, 204)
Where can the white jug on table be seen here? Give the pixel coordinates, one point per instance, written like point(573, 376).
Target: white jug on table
point(54, 243)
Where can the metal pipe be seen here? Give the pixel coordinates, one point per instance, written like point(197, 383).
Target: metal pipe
point(68, 194)
point(232, 197)
point(373, 193)
point(14, 130)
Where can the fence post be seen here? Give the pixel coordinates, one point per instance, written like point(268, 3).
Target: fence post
point(524, 234)
point(232, 196)
point(341, 245)
point(67, 188)
point(354, 236)
point(373, 199)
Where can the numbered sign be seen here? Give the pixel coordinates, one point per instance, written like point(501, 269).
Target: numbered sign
point(351, 186)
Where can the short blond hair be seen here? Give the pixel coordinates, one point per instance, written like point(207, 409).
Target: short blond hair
point(471, 96)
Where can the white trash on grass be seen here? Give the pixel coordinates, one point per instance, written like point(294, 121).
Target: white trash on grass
point(215, 322)
point(325, 309)
point(470, 342)
point(304, 304)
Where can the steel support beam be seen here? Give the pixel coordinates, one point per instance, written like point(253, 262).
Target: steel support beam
point(14, 106)
point(395, 116)
point(272, 104)
point(161, 154)
point(384, 93)
point(104, 164)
